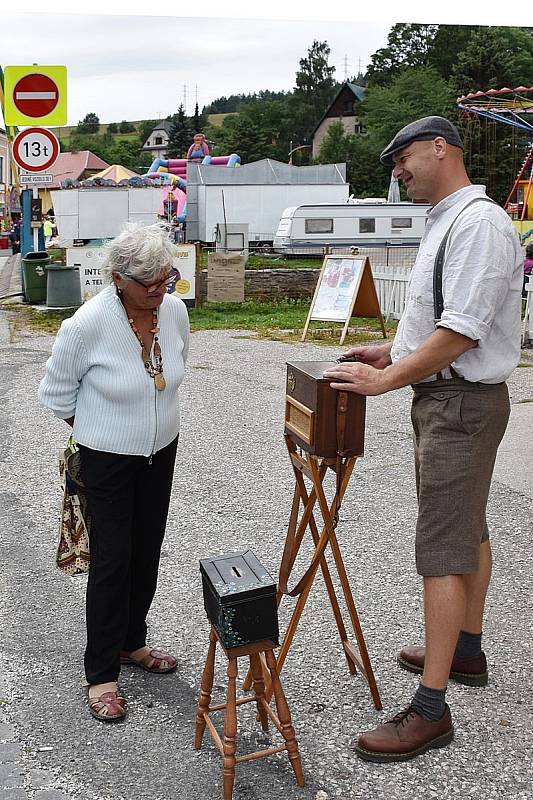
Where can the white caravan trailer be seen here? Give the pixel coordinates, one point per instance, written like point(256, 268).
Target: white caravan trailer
point(307, 228)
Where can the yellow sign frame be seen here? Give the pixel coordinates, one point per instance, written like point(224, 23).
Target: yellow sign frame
point(13, 74)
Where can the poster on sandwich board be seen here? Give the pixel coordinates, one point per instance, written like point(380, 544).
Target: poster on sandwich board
point(345, 289)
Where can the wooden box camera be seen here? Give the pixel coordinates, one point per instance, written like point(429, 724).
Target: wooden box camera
point(311, 412)
point(239, 599)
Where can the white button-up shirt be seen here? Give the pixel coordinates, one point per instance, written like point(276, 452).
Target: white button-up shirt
point(481, 284)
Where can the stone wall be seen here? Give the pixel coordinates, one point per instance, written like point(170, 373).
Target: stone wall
point(274, 284)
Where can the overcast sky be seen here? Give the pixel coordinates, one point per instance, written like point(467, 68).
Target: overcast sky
point(132, 67)
point(124, 66)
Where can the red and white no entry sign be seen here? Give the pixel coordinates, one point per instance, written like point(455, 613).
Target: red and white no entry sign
point(35, 95)
point(35, 149)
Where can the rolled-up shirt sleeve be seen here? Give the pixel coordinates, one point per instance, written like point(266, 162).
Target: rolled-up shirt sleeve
point(65, 368)
point(477, 272)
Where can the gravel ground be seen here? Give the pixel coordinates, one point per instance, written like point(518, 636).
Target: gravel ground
point(232, 490)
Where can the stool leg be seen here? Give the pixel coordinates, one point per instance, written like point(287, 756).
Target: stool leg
point(284, 715)
point(230, 730)
point(205, 691)
point(256, 669)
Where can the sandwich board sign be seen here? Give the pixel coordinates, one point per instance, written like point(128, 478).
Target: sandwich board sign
point(35, 95)
point(345, 289)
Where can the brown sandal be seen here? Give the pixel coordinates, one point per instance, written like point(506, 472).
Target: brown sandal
point(155, 661)
point(109, 707)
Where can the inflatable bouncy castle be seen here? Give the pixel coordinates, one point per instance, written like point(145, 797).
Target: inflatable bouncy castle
point(172, 173)
point(198, 149)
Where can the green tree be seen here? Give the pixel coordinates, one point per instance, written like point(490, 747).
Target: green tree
point(336, 146)
point(414, 92)
point(314, 91)
point(408, 45)
point(127, 153)
point(112, 127)
point(89, 124)
point(99, 145)
point(414, 45)
point(240, 134)
point(494, 58)
point(180, 136)
point(366, 176)
point(198, 121)
point(126, 127)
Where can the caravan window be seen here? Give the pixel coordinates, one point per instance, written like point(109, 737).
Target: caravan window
point(367, 225)
point(319, 226)
point(401, 222)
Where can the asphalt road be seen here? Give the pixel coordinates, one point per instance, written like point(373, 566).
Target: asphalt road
point(232, 491)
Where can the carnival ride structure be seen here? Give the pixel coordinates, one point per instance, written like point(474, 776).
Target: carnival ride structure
point(512, 107)
point(173, 173)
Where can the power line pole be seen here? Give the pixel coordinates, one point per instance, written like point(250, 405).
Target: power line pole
point(185, 98)
point(345, 68)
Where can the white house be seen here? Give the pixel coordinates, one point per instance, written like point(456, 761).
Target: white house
point(157, 142)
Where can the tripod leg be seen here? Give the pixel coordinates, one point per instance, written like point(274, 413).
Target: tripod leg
point(354, 616)
point(329, 585)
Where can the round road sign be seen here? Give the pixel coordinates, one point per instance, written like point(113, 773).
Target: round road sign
point(35, 95)
point(35, 149)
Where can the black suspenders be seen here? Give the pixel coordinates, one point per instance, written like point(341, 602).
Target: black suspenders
point(438, 299)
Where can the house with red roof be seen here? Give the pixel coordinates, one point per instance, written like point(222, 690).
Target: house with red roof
point(75, 165)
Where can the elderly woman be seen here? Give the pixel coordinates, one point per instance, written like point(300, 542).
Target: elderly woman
point(114, 375)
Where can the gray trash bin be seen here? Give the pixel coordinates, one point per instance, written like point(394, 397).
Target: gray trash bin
point(63, 287)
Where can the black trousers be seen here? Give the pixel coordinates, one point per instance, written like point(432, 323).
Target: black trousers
point(128, 499)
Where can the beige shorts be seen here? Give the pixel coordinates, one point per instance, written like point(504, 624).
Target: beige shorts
point(457, 429)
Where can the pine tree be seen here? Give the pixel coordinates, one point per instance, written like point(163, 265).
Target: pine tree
point(199, 121)
point(180, 136)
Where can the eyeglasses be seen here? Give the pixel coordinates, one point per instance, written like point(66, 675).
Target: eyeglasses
point(151, 288)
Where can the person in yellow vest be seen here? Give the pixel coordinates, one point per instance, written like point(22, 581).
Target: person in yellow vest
point(48, 229)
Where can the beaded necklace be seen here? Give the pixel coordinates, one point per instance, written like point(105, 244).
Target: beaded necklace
point(155, 369)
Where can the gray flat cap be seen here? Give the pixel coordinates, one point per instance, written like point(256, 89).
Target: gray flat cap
point(422, 130)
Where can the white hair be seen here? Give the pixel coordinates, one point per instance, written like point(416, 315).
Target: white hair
point(144, 252)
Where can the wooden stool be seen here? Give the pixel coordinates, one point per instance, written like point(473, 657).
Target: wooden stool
point(282, 720)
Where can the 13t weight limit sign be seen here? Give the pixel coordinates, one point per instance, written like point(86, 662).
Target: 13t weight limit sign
point(36, 149)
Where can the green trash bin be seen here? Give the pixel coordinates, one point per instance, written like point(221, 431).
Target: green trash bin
point(34, 276)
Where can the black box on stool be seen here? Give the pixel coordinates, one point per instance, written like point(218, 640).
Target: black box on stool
point(239, 599)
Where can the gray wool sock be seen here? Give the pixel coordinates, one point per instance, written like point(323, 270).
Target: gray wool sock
point(468, 645)
point(430, 703)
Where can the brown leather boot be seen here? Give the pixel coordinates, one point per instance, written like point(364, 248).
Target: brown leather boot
point(405, 736)
point(468, 671)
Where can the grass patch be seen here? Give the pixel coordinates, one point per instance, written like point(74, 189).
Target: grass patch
point(28, 319)
point(278, 321)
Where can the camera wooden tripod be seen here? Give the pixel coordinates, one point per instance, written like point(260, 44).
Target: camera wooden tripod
point(324, 430)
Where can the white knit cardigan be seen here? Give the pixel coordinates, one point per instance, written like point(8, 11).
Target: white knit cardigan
point(96, 374)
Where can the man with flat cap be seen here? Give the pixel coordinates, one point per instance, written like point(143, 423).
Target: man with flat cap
point(456, 344)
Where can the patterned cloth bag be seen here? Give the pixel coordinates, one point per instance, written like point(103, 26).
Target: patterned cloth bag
point(74, 525)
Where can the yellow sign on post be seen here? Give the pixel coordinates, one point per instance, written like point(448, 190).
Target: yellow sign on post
point(35, 95)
